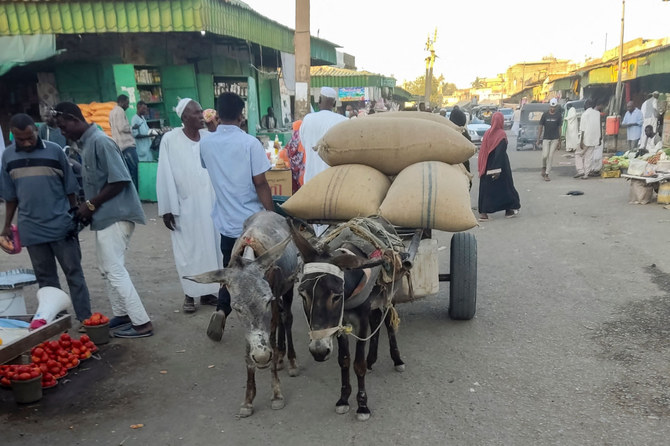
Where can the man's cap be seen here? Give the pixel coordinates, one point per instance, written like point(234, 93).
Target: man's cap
point(179, 109)
point(553, 102)
point(656, 92)
point(328, 92)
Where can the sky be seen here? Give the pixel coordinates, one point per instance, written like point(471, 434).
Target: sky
point(475, 38)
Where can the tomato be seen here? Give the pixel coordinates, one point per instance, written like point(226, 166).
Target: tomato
point(39, 351)
point(54, 370)
point(35, 373)
point(65, 337)
point(44, 358)
point(84, 339)
point(23, 376)
point(54, 345)
point(43, 367)
point(35, 359)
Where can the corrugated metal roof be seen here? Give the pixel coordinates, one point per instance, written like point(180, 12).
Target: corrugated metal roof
point(223, 17)
point(324, 76)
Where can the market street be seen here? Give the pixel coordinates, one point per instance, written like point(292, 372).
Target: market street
point(569, 345)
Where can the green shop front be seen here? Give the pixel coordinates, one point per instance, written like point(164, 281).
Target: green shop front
point(154, 51)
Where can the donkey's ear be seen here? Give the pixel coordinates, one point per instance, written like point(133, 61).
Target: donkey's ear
point(351, 261)
point(220, 276)
point(273, 254)
point(305, 248)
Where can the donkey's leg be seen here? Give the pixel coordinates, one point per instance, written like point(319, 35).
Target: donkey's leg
point(363, 412)
point(277, 397)
point(398, 363)
point(344, 360)
point(248, 406)
point(375, 320)
point(287, 323)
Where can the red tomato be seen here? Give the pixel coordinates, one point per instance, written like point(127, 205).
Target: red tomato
point(84, 339)
point(39, 351)
point(35, 373)
point(23, 376)
point(65, 337)
point(36, 359)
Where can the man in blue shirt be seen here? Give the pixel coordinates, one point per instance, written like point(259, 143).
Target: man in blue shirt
point(237, 164)
point(141, 133)
point(38, 181)
point(632, 121)
point(112, 207)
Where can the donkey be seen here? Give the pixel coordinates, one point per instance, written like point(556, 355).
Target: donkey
point(260, 277)
point(339, 285)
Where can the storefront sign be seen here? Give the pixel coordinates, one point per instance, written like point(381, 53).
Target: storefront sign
point(351, 94)
point(628, 70)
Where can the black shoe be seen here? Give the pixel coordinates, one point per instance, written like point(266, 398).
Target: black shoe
point(209, 299)
point(119, 323)
point(189, 305)
point(217, 323)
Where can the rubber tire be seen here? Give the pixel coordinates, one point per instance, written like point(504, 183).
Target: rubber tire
point(463, 283)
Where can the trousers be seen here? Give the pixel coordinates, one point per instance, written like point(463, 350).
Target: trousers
point(548, 148)
point(223, 302)
point(43, 257)
point(110, 245)
point(584, 159)
point(132, 162)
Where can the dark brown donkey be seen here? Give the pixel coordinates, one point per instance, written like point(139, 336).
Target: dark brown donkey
point(339, 288)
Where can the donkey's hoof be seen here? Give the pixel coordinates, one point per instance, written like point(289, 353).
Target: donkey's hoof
point(363, 416)
point(245, 411)
point(278, 403)
point(400, 368)
point(342, 409)
point(293, 371)
point(280, 364)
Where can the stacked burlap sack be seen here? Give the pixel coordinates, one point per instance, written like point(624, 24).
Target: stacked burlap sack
point(404, 166)
point(98, 113)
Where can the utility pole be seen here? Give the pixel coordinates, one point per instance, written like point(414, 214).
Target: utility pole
point(430, 61)
point(301, 42)
point(617, 100)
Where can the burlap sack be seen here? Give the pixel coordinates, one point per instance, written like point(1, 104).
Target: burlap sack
point(339, 193)
point(430, 195)
point(418, 115)
point(391, 144)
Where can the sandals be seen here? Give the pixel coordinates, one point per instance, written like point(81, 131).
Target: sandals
point(511, 214)
point(483, 217)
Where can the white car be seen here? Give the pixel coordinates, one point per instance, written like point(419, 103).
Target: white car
point(476, 131)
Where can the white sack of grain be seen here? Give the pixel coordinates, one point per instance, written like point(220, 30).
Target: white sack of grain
point(430, 195)
point(339, 193)
point(389, 145)
point(418, 115)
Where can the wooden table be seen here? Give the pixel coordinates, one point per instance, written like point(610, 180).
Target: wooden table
point(19, 346)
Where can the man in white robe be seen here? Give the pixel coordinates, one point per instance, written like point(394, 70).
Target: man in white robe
point(313, 127)
point(571, 130)
point(650, 111)
point(185, 201)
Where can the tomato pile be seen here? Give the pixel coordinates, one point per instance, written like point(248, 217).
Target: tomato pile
point(51, 359)
point(96, 319)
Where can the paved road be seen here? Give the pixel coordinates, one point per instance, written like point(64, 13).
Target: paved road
point(569, 346)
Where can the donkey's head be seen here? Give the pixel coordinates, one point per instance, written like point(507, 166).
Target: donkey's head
point(251, 297)
point(322, 289)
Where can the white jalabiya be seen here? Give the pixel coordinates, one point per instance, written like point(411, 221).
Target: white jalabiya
point(184, 189)
point(572, 131)
point(312, 129)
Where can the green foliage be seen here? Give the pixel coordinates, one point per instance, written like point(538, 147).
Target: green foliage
point(439, 88)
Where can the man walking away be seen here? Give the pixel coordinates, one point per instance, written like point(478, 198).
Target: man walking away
point(571, 130)
point(112, 208)
point(141, 133)
point(550, 135)
point(236, 163)
point(185, 201)
point(632, 122)
point(38, 181)
point(123, 137)
point(650, 111)
point(590, 130)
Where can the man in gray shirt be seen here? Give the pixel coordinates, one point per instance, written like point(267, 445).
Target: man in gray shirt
point(112, 207)
point(37, 180)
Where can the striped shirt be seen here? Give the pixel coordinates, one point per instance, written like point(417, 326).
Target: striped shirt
point(40, 182)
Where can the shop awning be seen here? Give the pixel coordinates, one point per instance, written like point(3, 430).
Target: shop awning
point(323, 76)
point(226, 18)
point(20, 50)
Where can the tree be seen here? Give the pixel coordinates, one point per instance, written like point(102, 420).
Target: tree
point(438, 88)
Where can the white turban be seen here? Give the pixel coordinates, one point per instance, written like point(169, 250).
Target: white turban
point(179, 109)
point(328, 92)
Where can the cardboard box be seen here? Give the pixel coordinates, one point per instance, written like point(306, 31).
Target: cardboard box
point(610, 174)
point(280, 181)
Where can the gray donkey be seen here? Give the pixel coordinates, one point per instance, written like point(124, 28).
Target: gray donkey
point(260, 278)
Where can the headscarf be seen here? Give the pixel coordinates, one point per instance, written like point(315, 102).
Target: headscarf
point(491, 139)
point(179, 109)
point(296, 155)
point(458, 117)
point(209, 115)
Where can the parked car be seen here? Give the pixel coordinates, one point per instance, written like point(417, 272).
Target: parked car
point(476, 130)
point(508, 114)
point(529, 126)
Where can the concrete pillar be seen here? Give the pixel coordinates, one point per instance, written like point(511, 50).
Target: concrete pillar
point(301, 43)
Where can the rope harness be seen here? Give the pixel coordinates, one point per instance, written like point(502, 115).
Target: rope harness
point(388, 249)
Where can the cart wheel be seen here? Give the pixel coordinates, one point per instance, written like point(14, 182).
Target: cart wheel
point(463, 283)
